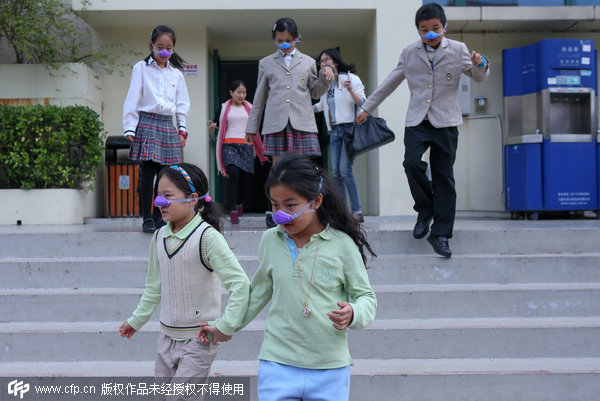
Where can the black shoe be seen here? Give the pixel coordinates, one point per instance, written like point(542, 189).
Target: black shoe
point(269, 221)
point(148, 226)
point(440, 246)
point(421, 228)
point(358, 217)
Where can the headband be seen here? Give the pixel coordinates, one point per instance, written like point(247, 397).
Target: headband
point(186, 176)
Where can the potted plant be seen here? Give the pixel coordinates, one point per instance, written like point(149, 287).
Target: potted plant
point(50, 156)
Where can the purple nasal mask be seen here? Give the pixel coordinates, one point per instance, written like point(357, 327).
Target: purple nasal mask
point(161, 201)
point(281, 217)
point(163, 52)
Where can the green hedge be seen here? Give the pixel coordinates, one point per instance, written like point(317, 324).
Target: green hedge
point(49, 147)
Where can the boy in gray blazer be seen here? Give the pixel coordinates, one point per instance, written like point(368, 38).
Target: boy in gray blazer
point(432, 67)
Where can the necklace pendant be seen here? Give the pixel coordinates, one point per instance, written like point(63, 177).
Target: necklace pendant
point(306, 311)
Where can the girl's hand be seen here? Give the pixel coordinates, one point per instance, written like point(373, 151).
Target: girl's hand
point(348, 85)
point(212, 126)
point(361, 117)
point(204, 334)
point(125, 330)
point(250, 138)
point(342, 317)
point(329, 73)
point(476, 58)
point(130, 138)
point(182, 138)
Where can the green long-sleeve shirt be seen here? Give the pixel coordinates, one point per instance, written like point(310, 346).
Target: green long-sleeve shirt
point(309, 342)
point(224, 264)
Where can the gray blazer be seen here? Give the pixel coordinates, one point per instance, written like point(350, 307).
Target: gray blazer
point(285, 94)
point(433, 90)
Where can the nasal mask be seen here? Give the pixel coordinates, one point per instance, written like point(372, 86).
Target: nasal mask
point(285, 45)
point(281, 217)
point(163, 52)
point(433, 35)
point(161, 201)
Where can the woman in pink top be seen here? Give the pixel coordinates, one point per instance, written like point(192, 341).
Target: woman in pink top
point(235, 156)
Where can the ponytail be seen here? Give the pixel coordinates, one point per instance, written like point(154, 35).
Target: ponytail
point(304, 177)
point(208, 210)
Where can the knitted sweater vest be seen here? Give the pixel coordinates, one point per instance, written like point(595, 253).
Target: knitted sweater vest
point(190, 290)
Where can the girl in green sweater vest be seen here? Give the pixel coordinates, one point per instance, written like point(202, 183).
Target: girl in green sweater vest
point(189, 259)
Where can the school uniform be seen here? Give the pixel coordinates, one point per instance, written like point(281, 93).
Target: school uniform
point(431, 121)
point(284, 94)
point(155, 95)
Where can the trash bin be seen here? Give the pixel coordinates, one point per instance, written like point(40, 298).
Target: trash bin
point(122, 180)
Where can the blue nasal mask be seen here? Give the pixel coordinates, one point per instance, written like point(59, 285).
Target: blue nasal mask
point(433, 35)
point(285, 45)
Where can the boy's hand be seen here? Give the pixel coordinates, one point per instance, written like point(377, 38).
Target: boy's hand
point(212, 126)
point(361, 117)
point(342, 317)
point(476, 58)
point(207, 331)
point(250, 138)
point(125, 330)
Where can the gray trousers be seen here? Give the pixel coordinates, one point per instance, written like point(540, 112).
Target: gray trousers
point(186, 362)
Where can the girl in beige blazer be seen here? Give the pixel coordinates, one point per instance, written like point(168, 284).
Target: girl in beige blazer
point(287, 80)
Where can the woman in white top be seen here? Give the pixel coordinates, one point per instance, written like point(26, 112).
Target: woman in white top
point(235, 155)
point(157, 91)
point(339, 105)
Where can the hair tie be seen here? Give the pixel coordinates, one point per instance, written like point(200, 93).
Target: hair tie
point(187, 178)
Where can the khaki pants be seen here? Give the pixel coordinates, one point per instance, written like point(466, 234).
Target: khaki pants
point(186, 362)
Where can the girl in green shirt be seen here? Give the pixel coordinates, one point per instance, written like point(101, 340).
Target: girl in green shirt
point(312, 269)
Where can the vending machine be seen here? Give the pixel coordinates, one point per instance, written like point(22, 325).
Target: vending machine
point(550, 152)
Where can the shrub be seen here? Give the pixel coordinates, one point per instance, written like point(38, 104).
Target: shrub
point(49, 147)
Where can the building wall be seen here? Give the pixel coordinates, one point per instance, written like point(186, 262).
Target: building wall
point(382, 183)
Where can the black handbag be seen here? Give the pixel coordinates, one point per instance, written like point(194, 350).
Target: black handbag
point(373, 133)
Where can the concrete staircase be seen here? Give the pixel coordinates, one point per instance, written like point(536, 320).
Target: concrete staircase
point(514, 315)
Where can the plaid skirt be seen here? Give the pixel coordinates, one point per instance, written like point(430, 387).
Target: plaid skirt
point(239, 154)
point(306, 143)
point(156, 139)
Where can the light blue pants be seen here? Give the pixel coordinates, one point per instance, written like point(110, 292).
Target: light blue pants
point(278, 382)
point(341, 167)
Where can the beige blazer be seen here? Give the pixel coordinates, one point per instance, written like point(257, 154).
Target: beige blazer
point(284, 94)
point(433, 91)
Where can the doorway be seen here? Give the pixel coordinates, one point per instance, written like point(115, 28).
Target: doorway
point(247, 71)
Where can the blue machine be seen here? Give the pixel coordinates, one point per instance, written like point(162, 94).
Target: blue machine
point(550, 152)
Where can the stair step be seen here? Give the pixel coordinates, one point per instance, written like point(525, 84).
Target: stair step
point(362, 367)
point(397, 338)
point(470, 237)
point(130, 271)
point(532, 379)
point(429, 301)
